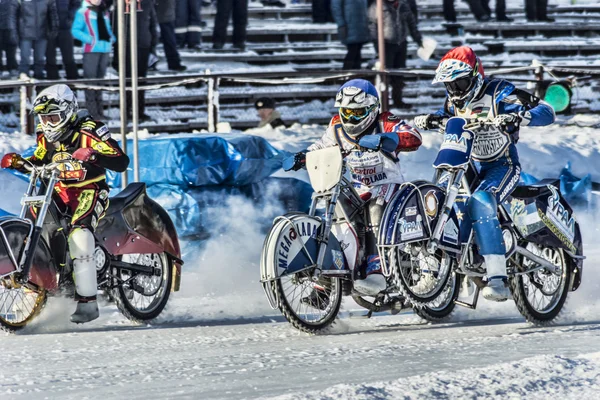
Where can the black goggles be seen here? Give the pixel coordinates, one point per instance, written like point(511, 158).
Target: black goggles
point(459, 86)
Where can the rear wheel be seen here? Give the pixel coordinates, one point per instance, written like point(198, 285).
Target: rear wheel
point(309, 306)
point(19, 304)
point(442, 307)
point(142, 297)
point(540, 295)
point(420, 276)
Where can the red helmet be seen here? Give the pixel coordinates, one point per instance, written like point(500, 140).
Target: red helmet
point(462, 73)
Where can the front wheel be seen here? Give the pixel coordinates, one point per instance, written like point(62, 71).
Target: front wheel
point(540, 295)
point(309, 306)
point(142, 297)
point(442, 307)
point(420, 276)
point(19, 304)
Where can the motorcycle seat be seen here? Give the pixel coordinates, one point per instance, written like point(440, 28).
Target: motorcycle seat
point(535, 189)
point(125, 197)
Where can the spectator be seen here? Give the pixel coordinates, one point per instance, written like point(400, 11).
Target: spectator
point(398, 22)
point(188, 23)
point(66, 13)
point(38, 22)
point(91, 27)
point(225, 9)
point(9, 38)
point(267, 113)
point(321, 11)
point(165, 11)
point(500, 10)
point(476, 7)
point(353, 28)
point(537, 10)
point(147, 38)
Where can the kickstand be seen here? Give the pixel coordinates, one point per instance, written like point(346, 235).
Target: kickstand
point(473, 305)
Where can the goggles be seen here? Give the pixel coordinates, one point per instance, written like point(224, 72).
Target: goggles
point(355, 113)
point(459, 86)
point(50, 119)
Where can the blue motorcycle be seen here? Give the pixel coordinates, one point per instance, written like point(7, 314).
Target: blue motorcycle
point(426, 241)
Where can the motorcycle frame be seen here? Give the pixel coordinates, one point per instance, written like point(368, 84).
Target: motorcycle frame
point(44, 202)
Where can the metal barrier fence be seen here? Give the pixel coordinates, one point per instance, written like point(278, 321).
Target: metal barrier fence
point(186, 103)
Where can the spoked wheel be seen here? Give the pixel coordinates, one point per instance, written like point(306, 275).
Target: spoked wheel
point(143, 297)
point(442, 307)
point(18, 304)
point(421, 276)
point(309, 306)
point(540, 295)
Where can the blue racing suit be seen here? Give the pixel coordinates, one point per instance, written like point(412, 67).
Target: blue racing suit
point(495, 154)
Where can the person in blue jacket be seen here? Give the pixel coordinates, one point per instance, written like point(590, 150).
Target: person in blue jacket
point(353, 28)
point(472, 96)
point(92, 28)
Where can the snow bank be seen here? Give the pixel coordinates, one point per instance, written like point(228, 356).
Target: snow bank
point(542, 377)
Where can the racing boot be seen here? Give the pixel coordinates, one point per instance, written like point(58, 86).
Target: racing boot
point(81, 248)
point(497, 287)
point(374, 282)
point(318, 298)
point(86, 311)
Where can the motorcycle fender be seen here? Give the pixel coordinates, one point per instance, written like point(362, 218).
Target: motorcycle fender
point(412, 214)
point(13, 236)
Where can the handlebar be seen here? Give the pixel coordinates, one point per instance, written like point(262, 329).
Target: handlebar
point(46, 170)
point(439, 122)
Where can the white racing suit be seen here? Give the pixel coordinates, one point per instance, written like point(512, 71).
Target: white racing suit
point(375, 175)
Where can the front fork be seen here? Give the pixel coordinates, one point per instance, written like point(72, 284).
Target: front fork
point(324, 240)
point(454, 187)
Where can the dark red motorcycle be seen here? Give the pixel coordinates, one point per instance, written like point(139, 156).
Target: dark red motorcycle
point(138, 258)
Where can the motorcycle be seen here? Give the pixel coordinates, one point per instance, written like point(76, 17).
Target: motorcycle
point(137, 252)
point(321, 250)
point(426, 240)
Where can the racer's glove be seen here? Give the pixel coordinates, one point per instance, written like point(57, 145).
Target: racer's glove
point(384, 141)
point(507, 121)
point(12, 161)
point(296, 162)
point(429, 121)
point(85, 154)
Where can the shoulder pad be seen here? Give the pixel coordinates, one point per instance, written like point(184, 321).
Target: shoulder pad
point(499, 89)
point(335, 120)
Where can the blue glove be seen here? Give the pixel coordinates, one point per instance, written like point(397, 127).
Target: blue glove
point(385, 141)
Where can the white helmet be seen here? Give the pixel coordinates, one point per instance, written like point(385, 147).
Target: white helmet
point(56, 108)
point(358, 103)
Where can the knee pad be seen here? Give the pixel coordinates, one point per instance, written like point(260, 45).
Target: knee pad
point(482, 206)
point(81, 244)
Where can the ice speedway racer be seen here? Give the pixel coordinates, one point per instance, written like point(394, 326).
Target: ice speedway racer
point(137, 252)
point(427, 242)
point(323, 248)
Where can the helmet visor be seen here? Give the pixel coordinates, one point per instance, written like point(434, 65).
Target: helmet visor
point(50, 119)
point(459, 87)
point(354, 113)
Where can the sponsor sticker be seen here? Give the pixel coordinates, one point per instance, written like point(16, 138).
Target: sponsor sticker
point(431, 204)
point(410, 211)
point(450, 232)
point(411, 229)
point(559, 216)
point(338, 259)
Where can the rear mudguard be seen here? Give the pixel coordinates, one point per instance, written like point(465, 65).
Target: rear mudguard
point(411, 216)
point(292, 245)
point(142, 226)
point(542, 216)
point(13, 235)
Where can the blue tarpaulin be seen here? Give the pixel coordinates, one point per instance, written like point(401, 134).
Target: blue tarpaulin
point(203, 160)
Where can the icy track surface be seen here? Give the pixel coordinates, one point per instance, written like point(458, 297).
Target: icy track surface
point(395, 357)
